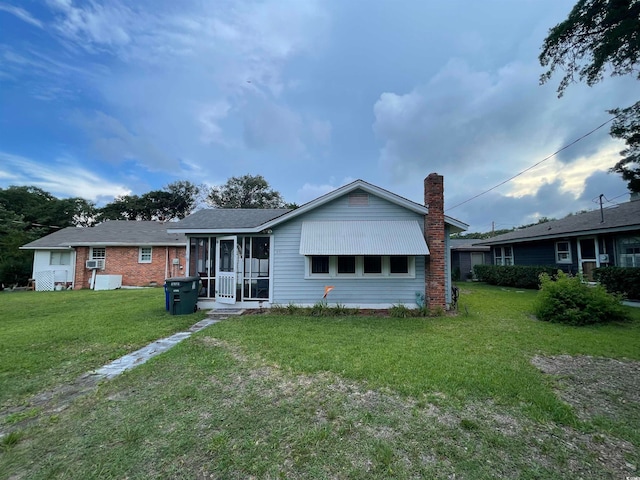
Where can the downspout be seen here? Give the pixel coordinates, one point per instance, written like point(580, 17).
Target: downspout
point(166, 262)
point(73, 269)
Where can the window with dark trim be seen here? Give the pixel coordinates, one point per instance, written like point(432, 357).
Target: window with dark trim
point(398, 264)
point(362, 266)
point(372, 264)
point(320, 264)
point(346, 264)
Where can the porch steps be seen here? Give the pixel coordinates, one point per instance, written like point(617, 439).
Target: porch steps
point(223, 313)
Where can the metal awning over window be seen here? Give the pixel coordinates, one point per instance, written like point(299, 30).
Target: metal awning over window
point(363, 238)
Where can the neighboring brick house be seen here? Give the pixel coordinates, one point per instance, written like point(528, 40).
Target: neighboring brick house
point(142, 253)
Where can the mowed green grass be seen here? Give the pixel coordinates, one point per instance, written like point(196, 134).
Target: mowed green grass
point(482, 353)
point(49, 338)
point(267, 396)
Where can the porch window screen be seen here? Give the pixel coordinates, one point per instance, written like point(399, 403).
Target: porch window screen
point(629, 249)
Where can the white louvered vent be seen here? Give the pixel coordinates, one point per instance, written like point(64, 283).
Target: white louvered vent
point(358, 199)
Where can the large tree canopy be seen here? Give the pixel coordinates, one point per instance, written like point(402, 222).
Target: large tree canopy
point(26, 214)
point(247, 191)
point(175, 201)
point(601, 37)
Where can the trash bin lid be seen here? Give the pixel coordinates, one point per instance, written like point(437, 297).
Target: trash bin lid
point(182, 279)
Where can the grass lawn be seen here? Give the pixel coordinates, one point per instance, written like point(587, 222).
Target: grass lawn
point(49, 338)
point(268, 396)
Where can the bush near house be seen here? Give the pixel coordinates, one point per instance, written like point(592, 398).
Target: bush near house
point(517, 276)
point(568, 300)
point(621, 280)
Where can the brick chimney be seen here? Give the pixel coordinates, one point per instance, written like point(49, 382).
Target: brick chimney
point(434, 294)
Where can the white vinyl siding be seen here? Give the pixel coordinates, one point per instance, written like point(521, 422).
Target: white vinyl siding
point(290, 267)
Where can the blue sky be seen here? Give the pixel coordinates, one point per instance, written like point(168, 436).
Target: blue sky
point(104, 98)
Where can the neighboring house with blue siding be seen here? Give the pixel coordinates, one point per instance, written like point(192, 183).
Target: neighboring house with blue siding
point(375, 248)
point(465, 254)
point(577, 243)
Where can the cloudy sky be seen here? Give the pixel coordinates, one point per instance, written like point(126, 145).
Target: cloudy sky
point(104, 98)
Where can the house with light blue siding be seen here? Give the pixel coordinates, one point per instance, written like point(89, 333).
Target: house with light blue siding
point(373, 248)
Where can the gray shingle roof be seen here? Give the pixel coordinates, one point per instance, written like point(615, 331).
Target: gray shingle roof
point(229, 218)
point(625, 216)
point(113, 232)
point(469, 244)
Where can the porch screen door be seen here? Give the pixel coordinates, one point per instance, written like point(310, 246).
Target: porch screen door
point(588, 257)
point(226, 251)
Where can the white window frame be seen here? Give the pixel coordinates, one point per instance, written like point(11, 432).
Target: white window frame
point(563, 256)
point(626, 258)
point(57, 257)
point(142, 255)
point(501, 258)
point(359, 273)
point(99, 254)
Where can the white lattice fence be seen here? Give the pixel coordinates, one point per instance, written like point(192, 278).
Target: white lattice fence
point(45, 281)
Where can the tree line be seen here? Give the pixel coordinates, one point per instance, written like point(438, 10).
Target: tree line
point(28, 213)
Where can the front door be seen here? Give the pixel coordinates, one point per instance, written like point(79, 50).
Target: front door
point(226, 251)
point(588, 257)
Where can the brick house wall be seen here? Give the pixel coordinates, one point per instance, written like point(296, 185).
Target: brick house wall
point(434, 233)
point(124, 261)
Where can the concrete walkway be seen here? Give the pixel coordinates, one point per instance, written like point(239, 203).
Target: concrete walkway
point(58, 399)
point(139, 357)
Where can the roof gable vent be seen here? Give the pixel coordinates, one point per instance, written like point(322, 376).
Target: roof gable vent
point(358, 199)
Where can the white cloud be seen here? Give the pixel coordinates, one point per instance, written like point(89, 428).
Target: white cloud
point(116, 143)
point(321, 131)
point(63, 178)
point(95, 25)
point(21, 14)
point(209, 119)
point(310, 191)
point(273, 126)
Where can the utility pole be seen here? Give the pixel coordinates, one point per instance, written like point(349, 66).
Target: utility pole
point(601, 210)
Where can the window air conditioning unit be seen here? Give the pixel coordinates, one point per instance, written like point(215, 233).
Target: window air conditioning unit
point(94, 264)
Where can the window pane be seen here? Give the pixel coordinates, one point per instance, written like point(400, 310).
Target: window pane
point(260, 247)
point(346, 264)
point(399, 264)
point(97, 253)
point(60, 258)
point(320, 264)
point(145, 254)
point(372, 264)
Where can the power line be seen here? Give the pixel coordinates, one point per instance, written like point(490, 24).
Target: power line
point(595, 200)
point(535, 164)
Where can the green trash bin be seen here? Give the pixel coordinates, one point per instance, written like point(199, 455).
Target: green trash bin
point(183, 294)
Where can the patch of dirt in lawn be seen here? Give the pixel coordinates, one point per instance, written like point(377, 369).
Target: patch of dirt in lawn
point(419, 432)
point(49, 402)
point(595, 386)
